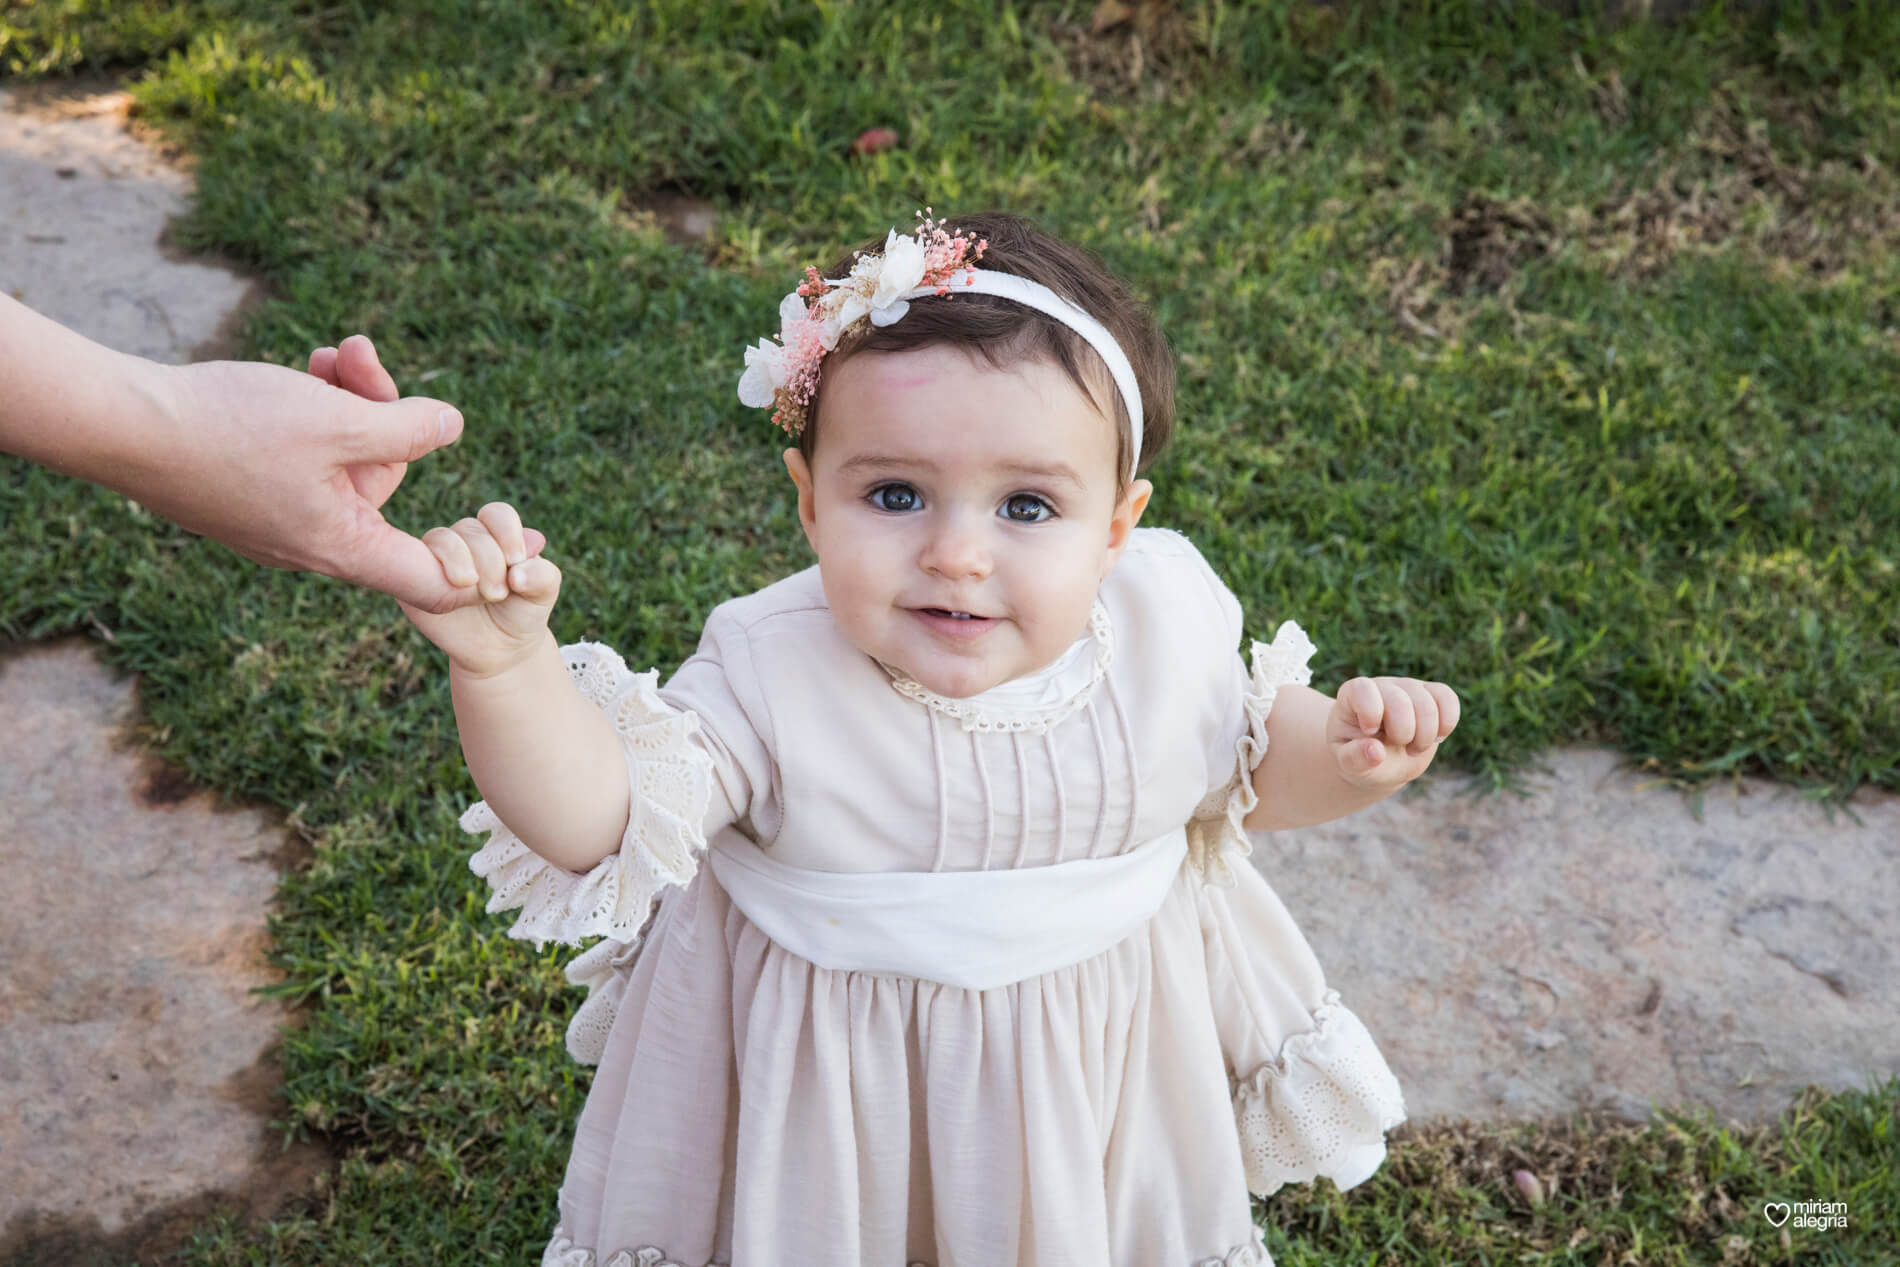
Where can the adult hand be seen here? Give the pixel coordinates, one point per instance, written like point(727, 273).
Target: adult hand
point(288, 469)
point(291, 470)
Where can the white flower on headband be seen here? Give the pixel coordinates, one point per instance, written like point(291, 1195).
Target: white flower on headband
point(785, 374)
point(766, 368)
point(884, 280)
point(764, 374)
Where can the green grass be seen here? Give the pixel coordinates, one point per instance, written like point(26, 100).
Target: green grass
point(1546, 357)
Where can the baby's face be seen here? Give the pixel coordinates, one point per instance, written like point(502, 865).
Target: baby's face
point(939, 520)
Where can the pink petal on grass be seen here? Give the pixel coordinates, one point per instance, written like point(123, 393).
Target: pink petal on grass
point(871, 140)
point(1529, 1185)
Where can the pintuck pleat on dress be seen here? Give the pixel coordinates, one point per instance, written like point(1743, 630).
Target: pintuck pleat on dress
point(751, 1107)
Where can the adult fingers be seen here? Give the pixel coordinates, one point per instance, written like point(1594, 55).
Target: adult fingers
point(359, 370)
point(399, 430)
point(323, 365)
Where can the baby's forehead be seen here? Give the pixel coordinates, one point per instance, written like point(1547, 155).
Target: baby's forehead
point(940, 364)
point(919, 409)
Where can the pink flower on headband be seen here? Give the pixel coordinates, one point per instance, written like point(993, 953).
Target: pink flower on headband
point(785, 374)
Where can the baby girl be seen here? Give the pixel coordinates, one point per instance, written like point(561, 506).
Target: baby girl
point(929, 934)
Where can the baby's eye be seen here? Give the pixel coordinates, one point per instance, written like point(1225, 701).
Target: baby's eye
point(1032, 498)
point(878, 501)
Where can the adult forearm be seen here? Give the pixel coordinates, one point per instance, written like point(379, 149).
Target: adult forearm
point(546, 760)
point(76, 406)
point(1298, 781)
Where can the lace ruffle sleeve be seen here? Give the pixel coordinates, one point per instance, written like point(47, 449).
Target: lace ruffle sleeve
point(1312, 1093)
point(1214, 832)
point(1322, 1108)
point(671, 777)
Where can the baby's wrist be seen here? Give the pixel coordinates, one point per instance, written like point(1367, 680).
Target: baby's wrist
point(501, 671)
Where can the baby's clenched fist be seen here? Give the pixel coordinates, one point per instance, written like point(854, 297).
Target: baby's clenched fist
point(488, 550)
point(489, 553)
point(1385, 731)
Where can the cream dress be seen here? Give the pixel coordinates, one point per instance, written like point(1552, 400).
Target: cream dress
point(752, 1108)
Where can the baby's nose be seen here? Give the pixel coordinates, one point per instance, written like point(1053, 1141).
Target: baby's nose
point(958, 548)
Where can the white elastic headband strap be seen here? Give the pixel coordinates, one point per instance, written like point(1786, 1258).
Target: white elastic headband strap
point(1035, 295)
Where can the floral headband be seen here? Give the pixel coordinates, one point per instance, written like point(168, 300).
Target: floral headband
point(784, 376)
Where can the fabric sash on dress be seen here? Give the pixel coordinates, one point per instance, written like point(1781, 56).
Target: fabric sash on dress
point(973, 929)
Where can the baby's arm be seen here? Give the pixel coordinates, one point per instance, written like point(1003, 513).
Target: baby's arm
point(546, 760)
point(1327, 758)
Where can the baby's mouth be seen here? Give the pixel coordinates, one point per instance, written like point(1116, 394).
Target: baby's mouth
point(944, 619)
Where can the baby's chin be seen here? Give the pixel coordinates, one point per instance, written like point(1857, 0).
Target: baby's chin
point(937, 683)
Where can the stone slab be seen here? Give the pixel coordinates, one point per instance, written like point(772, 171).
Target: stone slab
point(136, 1066)
point(84, 206)
point(1596, 946)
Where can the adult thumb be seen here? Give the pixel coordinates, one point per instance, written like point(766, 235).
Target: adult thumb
point(401, 430)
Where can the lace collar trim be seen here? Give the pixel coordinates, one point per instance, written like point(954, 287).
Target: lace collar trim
point(1021, 703)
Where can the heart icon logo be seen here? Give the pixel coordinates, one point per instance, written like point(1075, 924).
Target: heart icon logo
point(1777, 1212)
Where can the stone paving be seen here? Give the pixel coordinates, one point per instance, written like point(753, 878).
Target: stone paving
point(1595, 945)
point(137, 1074)
point(137, 1071)
point(84, 207)
point(1590, 946)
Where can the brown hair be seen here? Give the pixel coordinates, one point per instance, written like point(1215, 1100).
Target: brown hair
point(1003, 331)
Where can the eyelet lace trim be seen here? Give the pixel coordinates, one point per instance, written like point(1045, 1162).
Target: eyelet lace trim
point(671, 782)
point(1322, 1108)
point(1036, 721)
point(1250, 1253)
point(1214, 831)
point(562, 1252)
point(602, 968)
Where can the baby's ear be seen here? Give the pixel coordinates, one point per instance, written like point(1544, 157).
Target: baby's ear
point(1128, 514)
point(1121, 528)
point(1138, 493)
point(800, 472)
